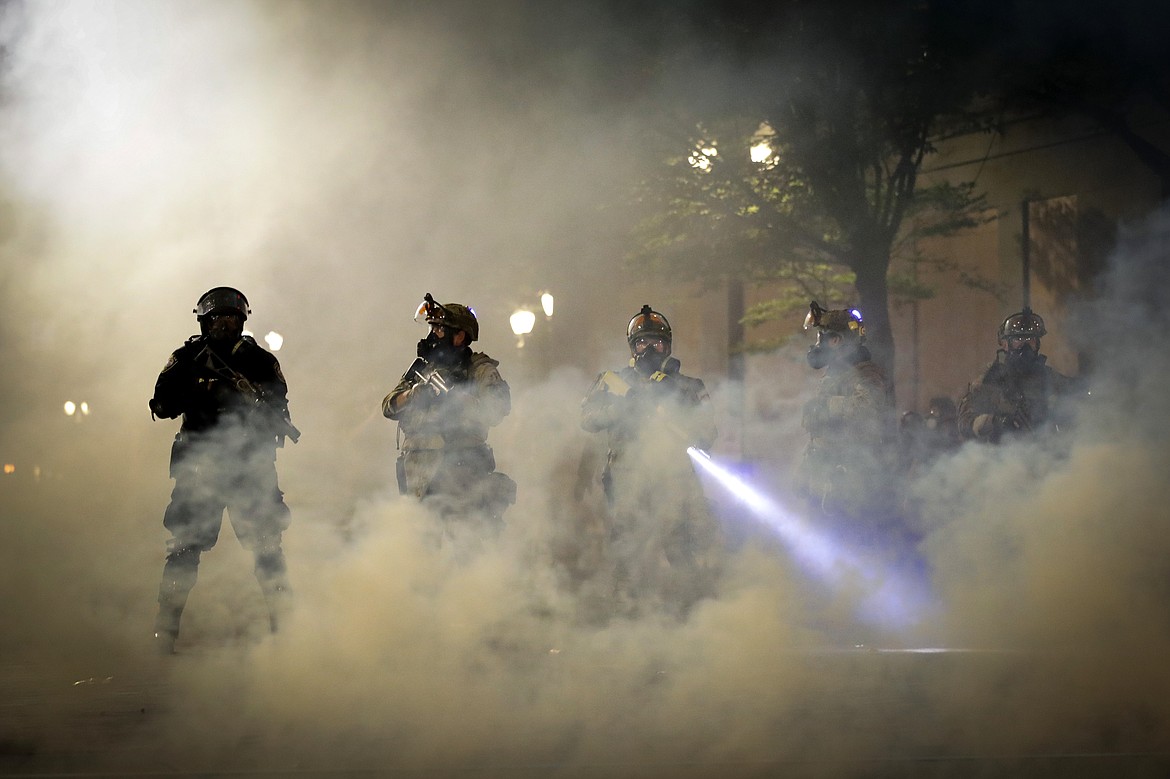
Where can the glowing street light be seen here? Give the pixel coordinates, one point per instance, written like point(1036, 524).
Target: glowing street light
point(760, 152)
point(546, 302)
point(274, 340)
point(77, 410)
point(522, 322)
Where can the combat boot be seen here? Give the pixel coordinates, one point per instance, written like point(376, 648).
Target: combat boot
point(178, 578)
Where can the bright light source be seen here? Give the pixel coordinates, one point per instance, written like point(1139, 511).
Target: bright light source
point(546, 302)
point(84, 408)
point(9, 468)
point(701, 158)
point(888, 598)
point(274, 340)
point(70, 408)
point(761, 152)
point(522, 321)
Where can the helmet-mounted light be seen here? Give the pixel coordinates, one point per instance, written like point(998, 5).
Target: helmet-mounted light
point(813, 317)
point(845, 321)
point(1024, 324)
point(648, 322)
point(428, 311)
point(453, 315)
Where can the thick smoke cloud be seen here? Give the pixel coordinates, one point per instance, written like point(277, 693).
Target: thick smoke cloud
point(335, 163)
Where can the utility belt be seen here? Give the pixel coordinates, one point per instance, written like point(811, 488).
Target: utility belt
point(187, 441)
point(478, 458)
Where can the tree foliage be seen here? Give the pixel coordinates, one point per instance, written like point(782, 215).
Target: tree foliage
point(848, 96)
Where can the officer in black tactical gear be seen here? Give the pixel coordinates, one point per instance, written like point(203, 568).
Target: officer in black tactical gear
point(651, 413)
point(444, 405)
point(234, 403)
point(1019, 392)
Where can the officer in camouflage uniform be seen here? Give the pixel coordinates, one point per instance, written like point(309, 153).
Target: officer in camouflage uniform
point(663, 543)
point(444, 405)
point(233, 400)
point(848, 465)
point(1019, 392)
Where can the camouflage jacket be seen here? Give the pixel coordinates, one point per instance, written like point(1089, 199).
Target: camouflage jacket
point(1013, 400)
point(657, 415)
point(478, 400)
point(851, 409)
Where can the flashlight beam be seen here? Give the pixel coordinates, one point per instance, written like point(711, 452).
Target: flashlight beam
point(891, 600)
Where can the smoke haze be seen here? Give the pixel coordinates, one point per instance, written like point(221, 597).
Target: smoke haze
point(337, 161)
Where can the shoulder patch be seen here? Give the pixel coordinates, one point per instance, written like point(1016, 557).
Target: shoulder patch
point(172, 361)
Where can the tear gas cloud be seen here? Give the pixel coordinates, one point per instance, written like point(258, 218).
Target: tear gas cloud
point(336, 164)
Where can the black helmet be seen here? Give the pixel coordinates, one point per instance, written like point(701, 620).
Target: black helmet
point(844, 321)
point(453, 315)
point(1023, 324)
point(222, 299)
point(647, 322)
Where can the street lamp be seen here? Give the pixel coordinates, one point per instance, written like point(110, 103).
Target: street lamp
point(522, 322)
point(546, 302)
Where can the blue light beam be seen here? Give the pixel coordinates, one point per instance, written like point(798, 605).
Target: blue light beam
point(889, 600)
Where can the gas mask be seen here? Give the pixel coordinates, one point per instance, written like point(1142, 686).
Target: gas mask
point(649, 361)
point(223, 328)
point(822, 352)
point(817, 356)
point(1024, 356)
point(442, 352)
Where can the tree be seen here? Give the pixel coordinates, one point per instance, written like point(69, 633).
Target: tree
point(849, 97)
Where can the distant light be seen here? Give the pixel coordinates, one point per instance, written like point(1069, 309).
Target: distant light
point(522, 321)
point(84, 407)
point(760, 152)
point(274, 340)
point(70, 408)
point(857, 314)
point(9, 468)
point(546, 302)
point(701, 158)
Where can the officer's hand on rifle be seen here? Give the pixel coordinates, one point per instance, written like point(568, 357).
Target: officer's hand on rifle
point(422, 394)
point(1009, 422)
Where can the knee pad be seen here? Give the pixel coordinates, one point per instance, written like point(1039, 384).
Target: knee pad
point(184, 556)
point(270, 564)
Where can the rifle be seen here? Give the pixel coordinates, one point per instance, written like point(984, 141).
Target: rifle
point(613, 384)
point(240, 382)
point(426, 374)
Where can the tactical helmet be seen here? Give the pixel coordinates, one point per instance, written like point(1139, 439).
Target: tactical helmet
point(452, 315)
point(221, 299)
point(1023, 324)
point(844, 321)
point(647, 322)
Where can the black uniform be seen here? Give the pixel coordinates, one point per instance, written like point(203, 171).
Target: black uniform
point(233, 400)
